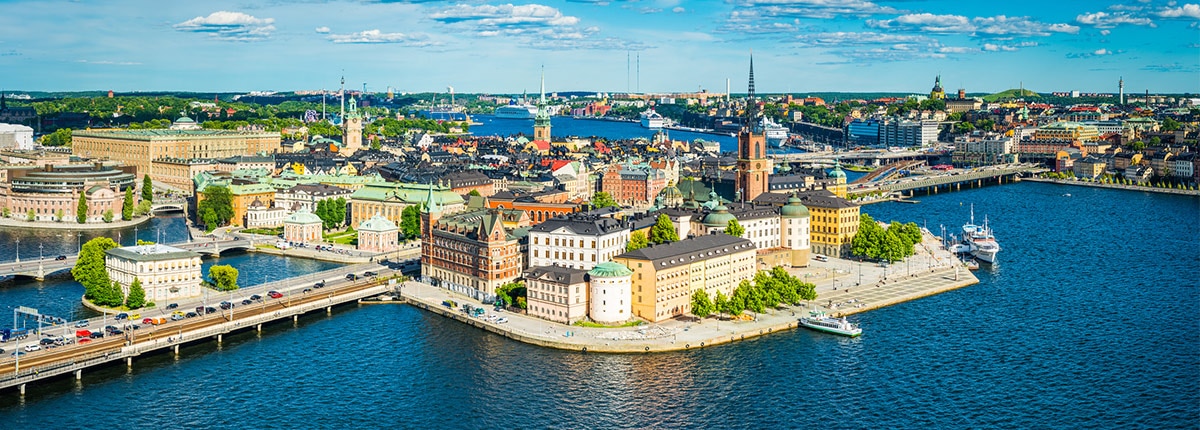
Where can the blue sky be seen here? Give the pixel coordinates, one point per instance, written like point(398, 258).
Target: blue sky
point(683, 45)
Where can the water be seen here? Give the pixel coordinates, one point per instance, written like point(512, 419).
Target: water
point(1089, 320)
point(59, 294)
point(568, 126)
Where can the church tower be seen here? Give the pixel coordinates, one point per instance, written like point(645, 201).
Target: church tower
point(541, 121)
point(938, 93)
point(430, 214)
point(352, 133)
point(753, 167)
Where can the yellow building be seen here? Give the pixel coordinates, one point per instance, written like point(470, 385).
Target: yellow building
point(834, 222)
point(937, 93)
point(665, 276)
point(141, 147)
point(241, 197)
point(1067, 131)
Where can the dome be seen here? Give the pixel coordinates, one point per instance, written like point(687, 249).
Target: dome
point(672, 192)
point(837, 171)
point(185, 120)
point(610, 270)
point(303, 216)
point(377, 223)
point(720, 217)
point(794, 209)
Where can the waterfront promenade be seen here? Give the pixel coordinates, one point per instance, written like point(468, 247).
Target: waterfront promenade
point(1194, 193)
point(844, 287)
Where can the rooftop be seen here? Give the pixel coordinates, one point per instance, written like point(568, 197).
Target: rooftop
point(155, 252)
point(690, 250)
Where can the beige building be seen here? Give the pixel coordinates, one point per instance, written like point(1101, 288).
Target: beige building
point(179, 173)
point(167, 273)
point(665, 276)
point(557, 293)
point(140, 147)
point(609, 293)
point(302, 226)
point(377, 234)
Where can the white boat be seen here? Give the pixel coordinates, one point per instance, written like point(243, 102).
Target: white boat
point(517, 111)
point(979, 238)
point(776, 133)
point(652, 120)
point(819, 321)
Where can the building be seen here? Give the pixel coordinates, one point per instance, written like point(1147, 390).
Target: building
point(239, 162)
point(753, 166)
point(306, 196)
point(579, 241)
point(51, 192)
point(963, 104)
point(983, 152)
point(538, 207)
point(610, 293)
point(557, 293)
point(905, 133)
point(1183, 166)
point(259, 215)
point(665, 276)
point(863, 133)
point(937, 93)
point(302, 226)
point(16, 115)
point(242, 196)
point(15, 136)
point(377, 234)
point(834, 222)
point(1089, 167)
point(1067, 131)
point(166, 273)
point(139, 147)
point(469, 252)
point(179, 173)
point(390, 198)
point(634, 185)
point(353, 133)
point(541, 120)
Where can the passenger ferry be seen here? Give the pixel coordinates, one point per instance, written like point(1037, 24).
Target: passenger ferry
point(775, 133)
point(982, 243)
point(652, 120)
point(818, 321)
point(516, 111)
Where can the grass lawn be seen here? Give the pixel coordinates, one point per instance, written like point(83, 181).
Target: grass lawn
point(348, 237)
point(595, 325)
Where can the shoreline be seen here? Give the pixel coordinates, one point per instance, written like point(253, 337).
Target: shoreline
point(1192, 193)
point(71, 225)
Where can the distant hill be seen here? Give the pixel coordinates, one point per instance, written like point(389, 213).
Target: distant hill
point(1011, 94)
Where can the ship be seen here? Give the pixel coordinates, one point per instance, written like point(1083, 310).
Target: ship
point(979, 239)
point(776, 134)
point(516, 111)
point(818, 321)
point(652, 120)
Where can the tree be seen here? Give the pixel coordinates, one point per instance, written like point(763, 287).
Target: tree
point(30, 215)
point(220, 201)
point(147, 189)
point(81, 211)
point(60, 137)
point(58, 215)
point(223, 277)
point(663, 231)
point(410, 221)
point(637, 241)
point(90, 272)
point(512, 292)
point(891, 249)
point(322, 212)
point(702, 307)
point(603, 200)
point(143, 208)
point(137, 295)
point(475, 193)
point(1170, 124)
point(339, 211)
point(108, 215)
point(127, 206)
point(866, 242)
point(1137, 146)
point(5, 212)
point(375, 145)
point(209, 217)
point(721, 303)
point(734, 229)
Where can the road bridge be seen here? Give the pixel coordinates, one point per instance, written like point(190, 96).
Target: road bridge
point(299, 297)
point(172, 205)
point(932, 184)
point(887, 172)
point(42, 267)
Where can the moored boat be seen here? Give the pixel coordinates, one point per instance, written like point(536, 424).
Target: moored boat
point(819, 321)
point(979, 239)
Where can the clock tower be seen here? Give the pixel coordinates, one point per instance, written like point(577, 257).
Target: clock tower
point(753, 166)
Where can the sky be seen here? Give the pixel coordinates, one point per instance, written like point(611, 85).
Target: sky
point(488, 46)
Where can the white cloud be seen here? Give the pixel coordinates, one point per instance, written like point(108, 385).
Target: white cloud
point(376, 36)
point(956, 50)
point(1110, 20)
point(994, 47)
point(678, 9)
point(814, 8)
point(323, 30)
point(508, 15)
point(1097, 53)
point(994, 26)
point(858, 38)
point(1186, 11)
point(110, 62)
point(227, 25)
point(1105, 32)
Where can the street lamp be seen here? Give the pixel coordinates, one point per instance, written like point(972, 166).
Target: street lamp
point(18, 250)
point(79, 241)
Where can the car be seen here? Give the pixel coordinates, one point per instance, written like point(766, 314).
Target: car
point(135, 327)
point(109, 328)
point(319, 285)
point(180, 313)
point(210, 310)
point(307, 290)
point(47, 341)
point(176, 317)
point(351, 277)
point(247, 302)
point(135, 317)
point(32, 348)
point(369, 273)
point(96, 335)
point(275, 294)
point(115, 331)
point(147, 320)
point(226, 305)
point(502, 320)
point(256, 297)
point(173, 306)
point(191, 315)
point(60, 258)
point(18, 353)
point(81, 323)
point(122, 316)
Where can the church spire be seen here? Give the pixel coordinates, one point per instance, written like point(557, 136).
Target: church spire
point(431, 205)
point(751, 121)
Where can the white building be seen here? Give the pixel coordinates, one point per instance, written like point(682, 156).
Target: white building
point(259, 215)
point(760, 222)
point(578, 241)
point(610, 295)
point(15, 136)
point(556, 293)
point(167, 273)
point(795, 231)
point(306, 196)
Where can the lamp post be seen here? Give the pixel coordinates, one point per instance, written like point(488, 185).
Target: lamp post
point(79, 242)
point(18, 250)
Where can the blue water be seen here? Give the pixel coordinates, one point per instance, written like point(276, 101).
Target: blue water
point(1089, 321)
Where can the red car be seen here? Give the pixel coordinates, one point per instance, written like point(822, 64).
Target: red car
point(274, 294)
point(147, 320)
point(83, 333)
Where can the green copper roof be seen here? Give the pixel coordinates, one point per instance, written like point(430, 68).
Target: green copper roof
point(794, 208)
point(303, 216)
point(377, 224)
point(719, 218)
point(610, 269)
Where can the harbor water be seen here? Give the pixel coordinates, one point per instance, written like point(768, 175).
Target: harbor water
point(1088, 321)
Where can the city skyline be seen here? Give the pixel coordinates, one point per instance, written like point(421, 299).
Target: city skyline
point(601, 45)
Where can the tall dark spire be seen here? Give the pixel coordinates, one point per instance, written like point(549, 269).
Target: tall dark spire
point(751, 121)
point(750, 90)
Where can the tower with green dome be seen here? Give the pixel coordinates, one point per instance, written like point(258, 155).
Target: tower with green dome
point(352, 134)
point(838, 180)
point(795, 226)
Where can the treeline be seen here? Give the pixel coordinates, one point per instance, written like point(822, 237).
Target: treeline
point(768, 290)
point(895, 243)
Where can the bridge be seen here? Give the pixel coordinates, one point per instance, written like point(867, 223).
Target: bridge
point(40, 268)
point(977, 177)
point(170, 205)
point(887, 172)
point(298, 298)
point(871, 157)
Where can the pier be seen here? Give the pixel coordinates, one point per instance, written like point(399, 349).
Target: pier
point(298, 298)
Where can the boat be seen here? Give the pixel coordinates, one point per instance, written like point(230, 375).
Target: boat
point(819, 321)
point(775, 133)
point(516, 111)
point(979, 238)
point(652, 120)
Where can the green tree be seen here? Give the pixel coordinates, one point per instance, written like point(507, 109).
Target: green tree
point(637, 241)
point(108, 215)
point(322, 212)
point(58, 215)
point(721, 303)
point(127, 205)
point(60, 137)
point(142, 208)
point(137, 295)
point(223, 277)
point(339, 211)
point(1170, 124)
point(81, 211)
point(702, 306)
point(220, 201)
point(1137, 146)
point(147, 189)
point(663, 231)
point(512, 292)
point(475, 193)
point(866, 241)
point(375, 145)
point(891, 249)
point(410, 221)
point(734, 229)
point(737, 302)
point(209, 217)
point(5, 212)
point(1155, 141)
point(603, 200)
point(30, 215)
point(90, 272)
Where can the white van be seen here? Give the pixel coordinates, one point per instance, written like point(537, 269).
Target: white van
point(820, 257)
